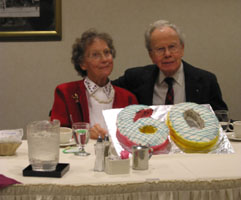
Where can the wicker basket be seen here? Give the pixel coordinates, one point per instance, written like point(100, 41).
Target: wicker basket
point(8, 149)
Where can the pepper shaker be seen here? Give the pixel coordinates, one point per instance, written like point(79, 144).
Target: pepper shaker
point(107, 145)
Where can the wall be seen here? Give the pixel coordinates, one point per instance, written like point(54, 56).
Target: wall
point(30, 71)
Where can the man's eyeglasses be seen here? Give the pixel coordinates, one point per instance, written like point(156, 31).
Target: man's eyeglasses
point(107, 53)
point(173, 48)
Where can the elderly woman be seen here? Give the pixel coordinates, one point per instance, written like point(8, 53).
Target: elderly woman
point(85, 99)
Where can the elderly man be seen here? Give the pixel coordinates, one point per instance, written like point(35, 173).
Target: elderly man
point(170, 80)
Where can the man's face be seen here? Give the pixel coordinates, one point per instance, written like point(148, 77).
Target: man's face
point(166, 50)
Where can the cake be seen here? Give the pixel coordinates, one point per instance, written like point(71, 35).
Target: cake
point(193, 127)
point(136, 127)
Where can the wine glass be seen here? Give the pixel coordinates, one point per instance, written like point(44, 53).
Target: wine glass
point(81, 136)
point(223, 119)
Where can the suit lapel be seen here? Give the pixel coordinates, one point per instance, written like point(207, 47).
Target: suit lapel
point(148, 87)
point(83, 104)
point(192, 84)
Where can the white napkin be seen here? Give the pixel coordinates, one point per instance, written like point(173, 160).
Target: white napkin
point(12, 136)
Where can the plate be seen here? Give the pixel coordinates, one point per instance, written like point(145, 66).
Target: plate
point(231, 136)
point(71, 143)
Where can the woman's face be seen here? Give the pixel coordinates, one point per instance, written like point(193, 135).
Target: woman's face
point(98, 62)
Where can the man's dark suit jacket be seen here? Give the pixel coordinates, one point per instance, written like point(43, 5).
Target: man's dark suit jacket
point(201, 86)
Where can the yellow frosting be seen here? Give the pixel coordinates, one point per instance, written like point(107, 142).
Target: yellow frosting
point(148, 129)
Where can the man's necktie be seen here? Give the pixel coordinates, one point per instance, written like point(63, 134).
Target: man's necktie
point(170, 93)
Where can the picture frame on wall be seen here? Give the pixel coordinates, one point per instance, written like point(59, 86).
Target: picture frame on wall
point(30, 20)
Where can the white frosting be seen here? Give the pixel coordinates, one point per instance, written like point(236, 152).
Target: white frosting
point(131, 129)
point(178, 122)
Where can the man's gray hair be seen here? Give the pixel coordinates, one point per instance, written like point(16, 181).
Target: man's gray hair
point(159, 25)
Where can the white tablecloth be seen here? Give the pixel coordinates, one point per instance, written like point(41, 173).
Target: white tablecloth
point(171, 176)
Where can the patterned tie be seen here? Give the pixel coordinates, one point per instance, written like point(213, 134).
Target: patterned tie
point(170, 93)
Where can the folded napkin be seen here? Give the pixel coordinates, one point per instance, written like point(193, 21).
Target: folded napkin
point(5, 181)
point(11, 136)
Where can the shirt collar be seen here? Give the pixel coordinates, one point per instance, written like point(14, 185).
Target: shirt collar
point(92, 87)
point(178, 76)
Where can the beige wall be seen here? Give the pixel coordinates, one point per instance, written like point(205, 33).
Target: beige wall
point(30, 71)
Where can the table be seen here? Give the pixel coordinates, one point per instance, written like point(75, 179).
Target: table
point(169, 177)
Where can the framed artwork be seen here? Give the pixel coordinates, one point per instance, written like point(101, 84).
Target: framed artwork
point(30, 20)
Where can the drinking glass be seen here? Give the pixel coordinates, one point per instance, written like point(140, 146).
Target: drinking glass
point(81, 136)
point(223, 119)
point(43, 144)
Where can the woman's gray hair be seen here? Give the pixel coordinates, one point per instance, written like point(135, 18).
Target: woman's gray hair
point(80, 45)
point(159, 25)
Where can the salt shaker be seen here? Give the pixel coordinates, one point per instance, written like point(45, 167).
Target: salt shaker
point(99, 153)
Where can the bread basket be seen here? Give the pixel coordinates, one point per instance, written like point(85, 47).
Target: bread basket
point(8, 149)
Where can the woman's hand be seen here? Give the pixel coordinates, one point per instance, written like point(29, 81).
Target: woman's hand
point(97, 130)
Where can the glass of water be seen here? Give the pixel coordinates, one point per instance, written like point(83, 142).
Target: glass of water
point(223, 118)
point(81, 136)
point(43, 144)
